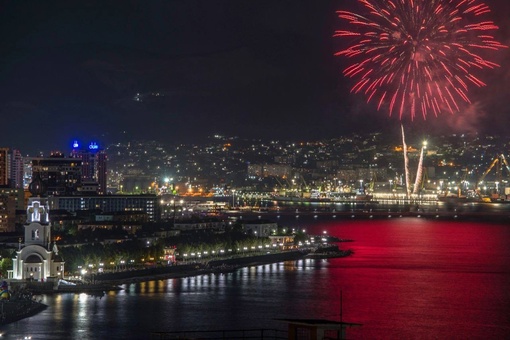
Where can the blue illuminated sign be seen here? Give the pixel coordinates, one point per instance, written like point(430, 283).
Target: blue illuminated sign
point(75, 144)
point(93, 146)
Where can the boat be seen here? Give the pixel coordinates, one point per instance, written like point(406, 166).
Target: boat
point(21, 305)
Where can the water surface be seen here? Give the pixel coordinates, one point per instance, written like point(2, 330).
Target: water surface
point(409, 278)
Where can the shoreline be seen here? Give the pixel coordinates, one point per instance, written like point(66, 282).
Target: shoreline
point(113, 281)
point(212, 267)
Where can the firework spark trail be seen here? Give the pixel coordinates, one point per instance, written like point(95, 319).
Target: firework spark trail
point(418, 56)
point(406, 163)
point(419, 173)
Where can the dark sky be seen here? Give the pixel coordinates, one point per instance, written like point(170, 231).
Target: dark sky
point(256, 68)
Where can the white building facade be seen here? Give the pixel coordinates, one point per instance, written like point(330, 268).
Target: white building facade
point(37, 260)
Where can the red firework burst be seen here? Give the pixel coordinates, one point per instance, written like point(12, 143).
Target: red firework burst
point(418, 55)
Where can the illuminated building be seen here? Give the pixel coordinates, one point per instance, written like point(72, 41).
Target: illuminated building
point(4, 167)
point(147, 204)
point(16, 169)
point(94, 165)
point(38, 259)
point(27, 172)
point(11, 168)
point(61, 176)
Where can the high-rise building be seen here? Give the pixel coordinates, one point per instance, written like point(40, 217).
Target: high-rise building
point(94, 165)
point(11, 168)
point(4, 167)
point(27, 171)
point(60, 176)
point(16, 169)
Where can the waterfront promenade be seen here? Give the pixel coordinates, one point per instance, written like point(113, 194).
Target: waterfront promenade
point(198, 268)
point(112, 281)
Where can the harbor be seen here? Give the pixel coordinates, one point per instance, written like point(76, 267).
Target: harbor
point(409, 270)
point(436, 209)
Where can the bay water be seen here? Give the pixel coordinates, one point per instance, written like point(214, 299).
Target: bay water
point(408, 278)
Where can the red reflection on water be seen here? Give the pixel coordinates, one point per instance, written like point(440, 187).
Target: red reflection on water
point(412, 278)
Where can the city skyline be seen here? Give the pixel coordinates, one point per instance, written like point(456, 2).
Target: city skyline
point(182, 71)
point(212, 168)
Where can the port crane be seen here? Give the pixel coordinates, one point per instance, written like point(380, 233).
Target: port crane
point(503, 159)
point(279, 183)
point(499, 163)
point(303, 182)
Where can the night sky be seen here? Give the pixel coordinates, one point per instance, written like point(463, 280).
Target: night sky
point(255, 68)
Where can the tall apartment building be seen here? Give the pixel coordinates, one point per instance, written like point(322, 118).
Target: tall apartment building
point(4, 167)
point(16, 169)
point(94, 165)
point(60, 176)
point(11, 195)
point(11, 168)
point(27, 172)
